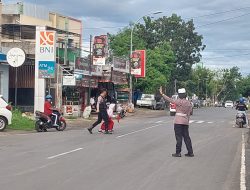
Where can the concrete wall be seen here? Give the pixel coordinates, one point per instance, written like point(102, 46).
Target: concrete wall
point(4, 70)
point(27, 20)
point(66, 23)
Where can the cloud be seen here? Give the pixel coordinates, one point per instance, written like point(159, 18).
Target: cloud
point(227, 42)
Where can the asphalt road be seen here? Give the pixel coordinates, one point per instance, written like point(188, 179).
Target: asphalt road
point(136, 157)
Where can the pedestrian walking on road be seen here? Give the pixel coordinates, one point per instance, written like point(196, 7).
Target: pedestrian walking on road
point(181, 121)
point(101, 109)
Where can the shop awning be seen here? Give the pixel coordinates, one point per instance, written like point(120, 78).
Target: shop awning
point(3, 58)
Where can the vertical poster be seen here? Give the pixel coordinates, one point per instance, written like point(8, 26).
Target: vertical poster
point(45, 53)
point(138, 63)
point(45, 63)
point(100, 50)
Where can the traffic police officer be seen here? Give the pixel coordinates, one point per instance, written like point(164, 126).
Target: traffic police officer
point(181, 121)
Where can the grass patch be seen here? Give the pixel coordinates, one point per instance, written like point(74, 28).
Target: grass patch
point(21, 123)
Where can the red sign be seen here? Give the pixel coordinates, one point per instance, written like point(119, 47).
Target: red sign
point(100, 49)
point(138, 63)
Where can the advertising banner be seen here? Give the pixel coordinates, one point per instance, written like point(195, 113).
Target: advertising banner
point(121, 65)
point(45, 57)
point(46, 69)
point(100, 50)
point(45, 53)
point(138, 63)
point(82, 66)
point(69, 80)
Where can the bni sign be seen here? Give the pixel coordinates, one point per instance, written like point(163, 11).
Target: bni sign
point(46, 53)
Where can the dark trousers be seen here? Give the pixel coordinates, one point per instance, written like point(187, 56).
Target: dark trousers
point(102, 115)
point(181, 131)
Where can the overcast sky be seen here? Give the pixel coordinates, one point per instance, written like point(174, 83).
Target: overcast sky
point(228, 42)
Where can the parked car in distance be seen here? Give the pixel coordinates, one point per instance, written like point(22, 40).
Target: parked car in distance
point(147, 100)
point(196, 103)
point(5, 114)
point(218, 104)
point(161, 104)
point(229, 104)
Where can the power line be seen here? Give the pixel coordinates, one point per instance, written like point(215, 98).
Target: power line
point(228, 49)
point(218, 13)
point(105, 27)
point(225, 56)
point(224, 20)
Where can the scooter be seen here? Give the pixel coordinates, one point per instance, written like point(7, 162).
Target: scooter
point(44, 122)
point(240, 119)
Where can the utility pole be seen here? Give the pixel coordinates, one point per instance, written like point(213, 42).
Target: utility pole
point(206, 88)
point(175, 86)
point(90, 66)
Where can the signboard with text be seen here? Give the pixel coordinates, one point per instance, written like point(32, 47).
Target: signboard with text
point(45, 53)
point(46, 69)
point(100, 50)
point(69, 80)
point(138, 63)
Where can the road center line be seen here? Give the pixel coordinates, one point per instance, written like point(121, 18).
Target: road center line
point(64, 153)
point(138, 131)
point(200, 122)
point(159, 122)
point(243, 165)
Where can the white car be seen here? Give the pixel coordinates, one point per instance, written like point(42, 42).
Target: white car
point(147, 100)
point(5, 114)
point(229, 104)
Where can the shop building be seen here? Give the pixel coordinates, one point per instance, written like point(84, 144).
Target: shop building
point(19, 23)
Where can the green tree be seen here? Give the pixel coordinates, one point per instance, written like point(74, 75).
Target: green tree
point(158, 69)
point(120, 43)
point(185, 42)
point(160, 37)
point(200, 82)
point(243, 86)
point(226, 84)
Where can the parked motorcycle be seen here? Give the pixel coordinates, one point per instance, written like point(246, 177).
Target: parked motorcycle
point(44, 122)
point(240, 119)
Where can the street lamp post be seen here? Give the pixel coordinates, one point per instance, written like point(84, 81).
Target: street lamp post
point(131, 52)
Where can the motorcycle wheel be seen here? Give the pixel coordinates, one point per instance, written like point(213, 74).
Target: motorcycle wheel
point(38, 127)
point(62, 126)
point(241, 125)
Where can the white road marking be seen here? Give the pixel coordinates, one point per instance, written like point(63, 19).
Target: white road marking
point(33, 169)
point(159, 122)
point(64, 153)
point(243, 165)
point(191, 121)
point(200, 122)
point(210, 122)
point(138, 131)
